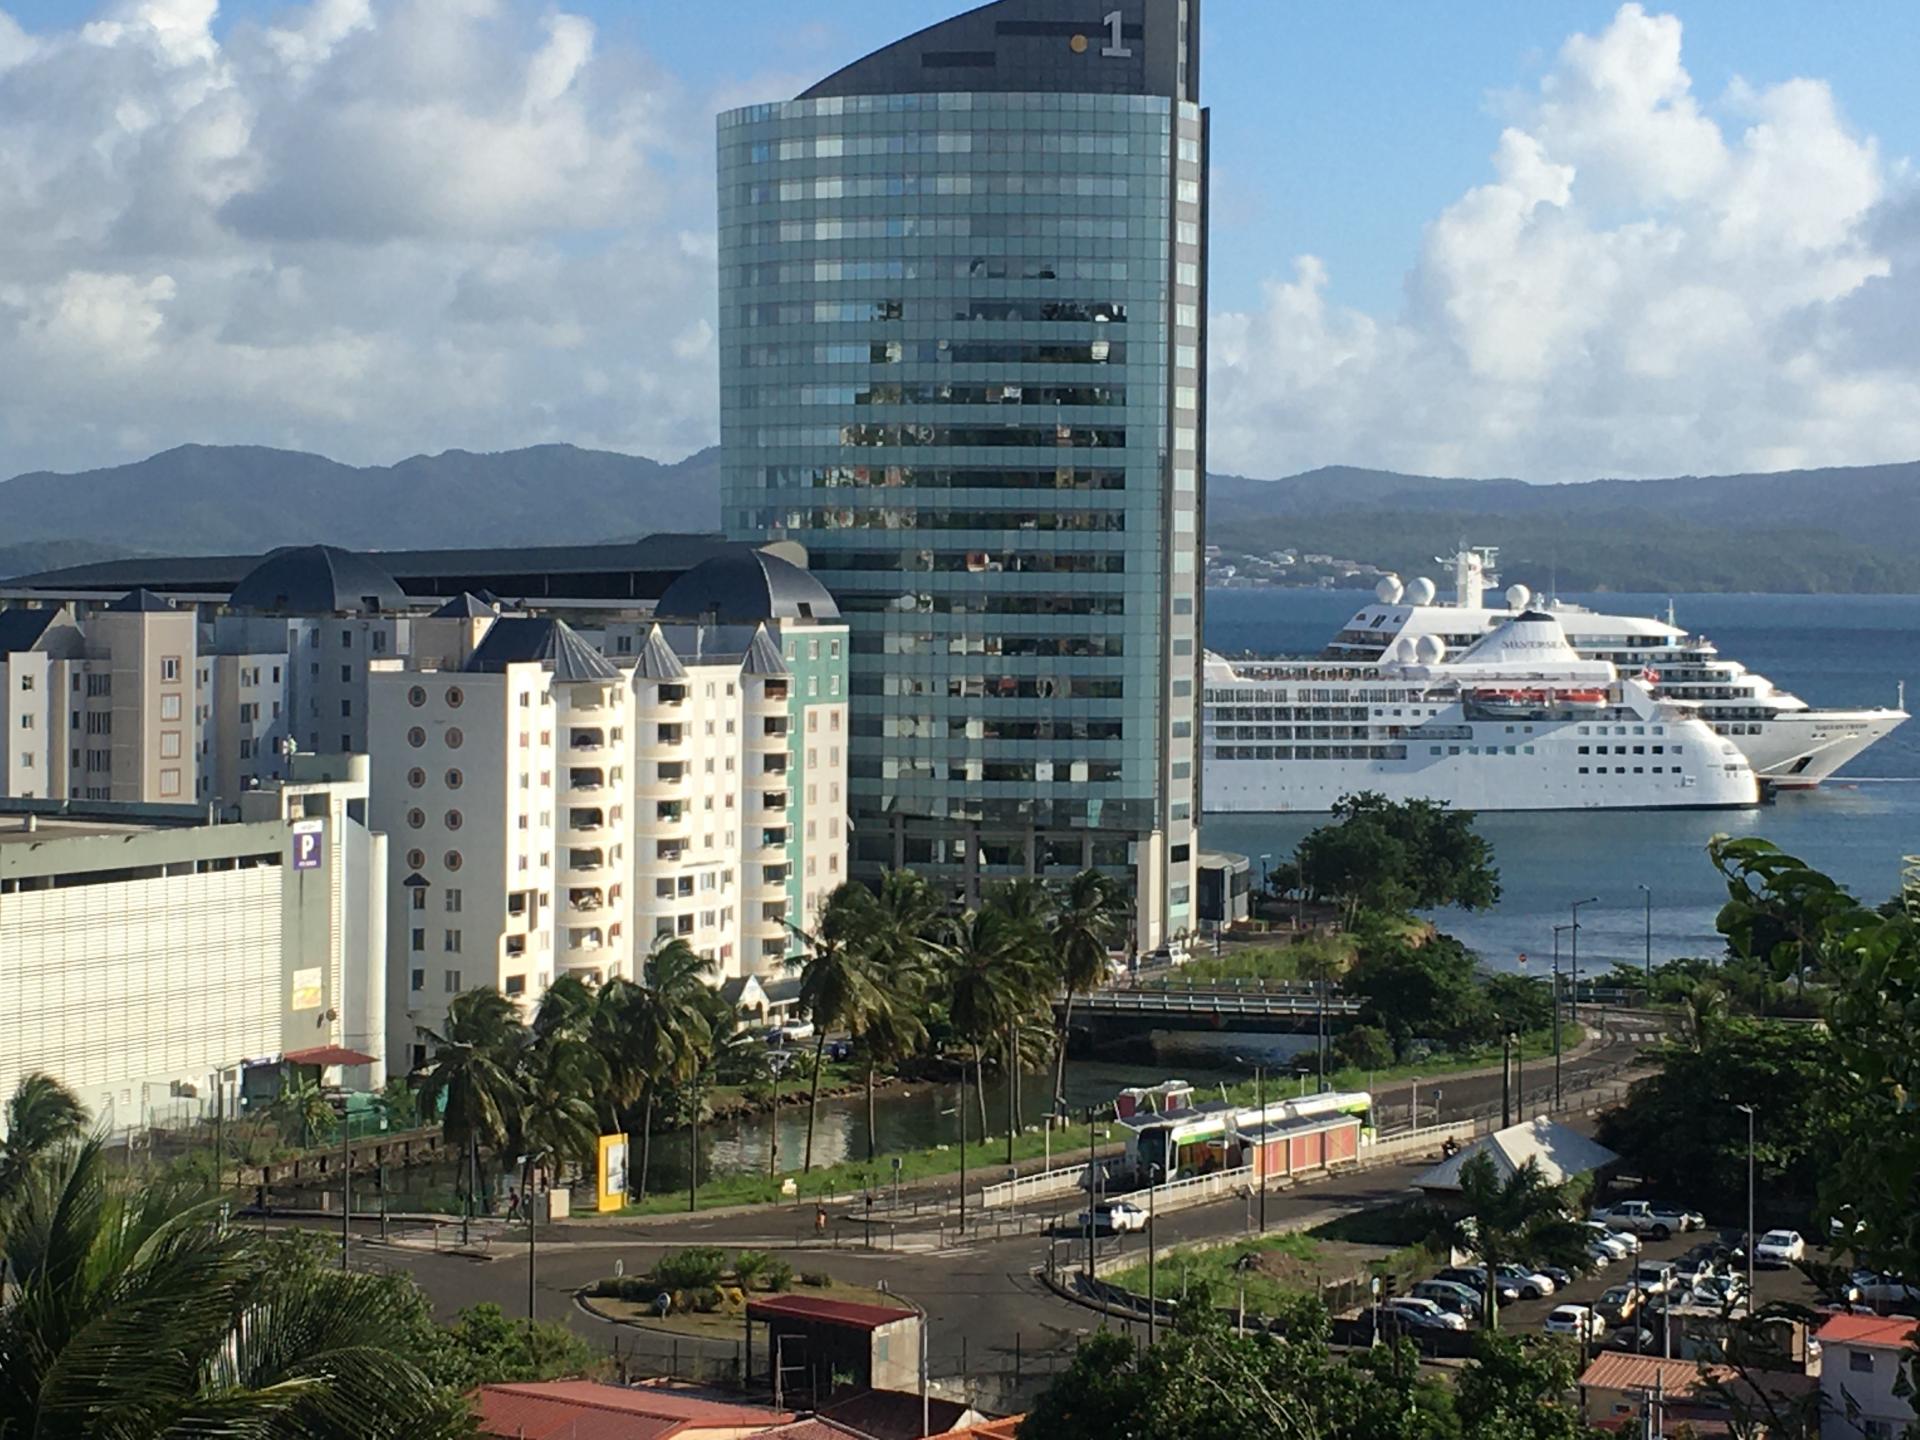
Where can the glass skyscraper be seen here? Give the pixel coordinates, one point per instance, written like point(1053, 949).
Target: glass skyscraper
point(963, 360)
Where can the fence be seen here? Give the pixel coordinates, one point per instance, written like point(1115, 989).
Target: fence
point(1043, 1186)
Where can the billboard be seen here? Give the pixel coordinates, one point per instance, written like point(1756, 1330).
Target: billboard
point(308, 989)
point(613, 1172)
point(309, 844)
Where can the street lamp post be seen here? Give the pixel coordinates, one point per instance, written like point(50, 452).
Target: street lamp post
point(1573, 1002)
point(1260, 1145)
point(1647, 890)
point(1556, 1012)
point(1747, 1110)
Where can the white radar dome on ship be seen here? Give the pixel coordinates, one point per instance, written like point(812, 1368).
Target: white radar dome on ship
point(1420, 592)
point(1430, 650)
point(1402, 652)
point(1389, 590)
point(1518, 596)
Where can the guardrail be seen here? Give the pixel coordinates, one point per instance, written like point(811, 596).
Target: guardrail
point(1034, 1187)
point(1207, 1002)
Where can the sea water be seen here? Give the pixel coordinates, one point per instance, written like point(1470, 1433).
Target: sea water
point(1831, 650)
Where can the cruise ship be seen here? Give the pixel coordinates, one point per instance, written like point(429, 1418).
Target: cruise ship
point(1516, 720)
point(1790, 744)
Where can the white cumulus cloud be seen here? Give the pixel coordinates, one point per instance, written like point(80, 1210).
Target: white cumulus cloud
point(1646, 285)
point(368, 227)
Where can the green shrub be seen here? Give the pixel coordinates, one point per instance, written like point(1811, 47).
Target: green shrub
point(778, 1276)
point(692, 1268)
point(703, 1300)
point(749, 1266)
point(816, 1278)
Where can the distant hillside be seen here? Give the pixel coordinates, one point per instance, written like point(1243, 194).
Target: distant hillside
point(237, 498)
point(1841, 530)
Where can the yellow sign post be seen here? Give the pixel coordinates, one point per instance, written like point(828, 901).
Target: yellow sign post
point(613, 1172)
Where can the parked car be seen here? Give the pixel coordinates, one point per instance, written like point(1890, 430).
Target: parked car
point(1621, 1303)
point(1718, 1291)
point(1419, 1314)
point(1875, 1289)
point(1560, 1278)
point(1451, 1296)
point(1578, 1321)
point(1648, 1219)
point(1475, 1279)
point(1631, 1337)
point(1780, 1248)
point(1118, 1216)
point(1617, 1243)
point(794, 1031)
point(1531, 1284)
point(1654, 1277)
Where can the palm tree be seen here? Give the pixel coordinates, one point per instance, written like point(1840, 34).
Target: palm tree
point(43, 1116)
point(557, 1122)
point(472, 1076)
point(899, 924)
point(657, 1030)
point(137, 1312)
point(835, 988)
point(301, 1108)
point(990, 979)
point(1092, 916)
point(1701, 1004)
point(1521, 1218)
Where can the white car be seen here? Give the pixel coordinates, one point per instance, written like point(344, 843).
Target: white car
point(1872, 1288)
point(1530, 1283)
point(1718, 1291)
point(1423, 1314)
point(1119, 1216)
point(1780, 1247)
point(1578, 1321)
point(1617, 1243)
point(1653, 1277)
point(1600, 1255)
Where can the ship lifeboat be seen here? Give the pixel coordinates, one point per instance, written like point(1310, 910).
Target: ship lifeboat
point(1584, 699)
point(1509, 702)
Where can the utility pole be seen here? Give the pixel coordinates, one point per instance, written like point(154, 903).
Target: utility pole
point(1090, 1184)
point(1506, 1079)
point(1748, 1111)
point(1556, 1013)
point(1574, 1011)
point(1647, 890)
point(346, 1182)
point(1153, 1308)
point(1260, 1099)
point(963, 1150)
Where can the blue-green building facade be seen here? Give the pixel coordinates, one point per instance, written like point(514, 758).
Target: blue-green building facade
point(962, 325)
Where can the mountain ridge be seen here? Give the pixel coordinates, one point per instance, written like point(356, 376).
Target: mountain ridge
point(1832, 528)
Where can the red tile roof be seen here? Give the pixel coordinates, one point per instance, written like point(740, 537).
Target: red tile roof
point(588, 1410)
point(813, 1428)
point(823, 1311)
point(1894, 1332)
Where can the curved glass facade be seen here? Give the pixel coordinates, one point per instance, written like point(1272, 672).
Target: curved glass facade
point(962, 362)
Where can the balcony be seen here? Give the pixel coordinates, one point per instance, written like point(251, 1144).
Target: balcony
point(580, 818)
point(774, 800)
point(584, 779)
point(774, 911)
point(773, 838)
point(672, 772)
point(516, 946)
point(671, 734)
point(670, 810)
point(594, 739)
point(586, 897)
point(774, 764)
point(775, 727)
point(586, 859)
point(774, 874)
point(588, 938)
point(777, 689)
point(673, 695)
point(671, 849)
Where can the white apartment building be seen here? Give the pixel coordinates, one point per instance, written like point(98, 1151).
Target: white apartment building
point(560, 796)
point(1863, 1360)
point(150, 958)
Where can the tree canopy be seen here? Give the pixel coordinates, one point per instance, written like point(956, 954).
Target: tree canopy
point(1392, 855)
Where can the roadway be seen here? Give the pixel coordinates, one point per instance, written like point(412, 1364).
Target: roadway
point(984, 1304)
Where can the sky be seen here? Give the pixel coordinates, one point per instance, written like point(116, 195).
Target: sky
point(1491, 238)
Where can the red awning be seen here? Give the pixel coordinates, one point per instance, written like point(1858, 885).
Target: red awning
point(326, 1055)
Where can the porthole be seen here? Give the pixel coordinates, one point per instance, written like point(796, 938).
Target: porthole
point(455, 820)
point(416, 697)
point(416, 818)
point(454, 738)
point(416, 737)
point(416, 777)
point(416, 859)
point(452, 859)
point(455, 779)
point(456, 697)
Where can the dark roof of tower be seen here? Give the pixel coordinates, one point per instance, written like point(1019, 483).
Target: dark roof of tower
point(522, 639)
point(1033, 46)
point(466, 606)
point(317, 580)
point(763, 656)
point(657, 660)
point(21, 630)
point(743, 587)
point(141, 600)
